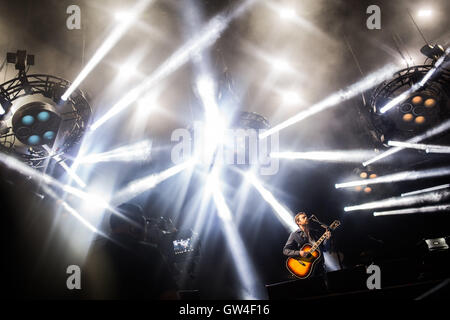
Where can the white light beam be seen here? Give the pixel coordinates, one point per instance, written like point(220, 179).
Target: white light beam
point(391, 104)
point(428, 134)
point(107, 45)
point(206, 37)
point(69, 171)
point(336, 98)
point(401, 201)
point(285, 216)
point(396, 177)
point(135, 188)
point(135, 152)
point(343, 156)
point(442, 186)
point(443, 207)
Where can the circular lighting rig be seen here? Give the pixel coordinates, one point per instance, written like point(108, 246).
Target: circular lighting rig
point(34, 114)
point(420, 110)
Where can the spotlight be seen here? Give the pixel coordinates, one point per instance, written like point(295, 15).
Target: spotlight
point(363, 175)
point(430, 102)
point(367, 189)
point(417, 99)
point(424, 13)
point(437, 244)
point(420, 120)
point(36, 123)
point(287, 13)
point(408, 117)
point(35, 114)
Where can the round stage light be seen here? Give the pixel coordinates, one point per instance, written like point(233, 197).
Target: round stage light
point(43, 116)
point(358, 188)
point(430, 102)
point(27, 120)
point(420, 120)
point(33, 140)
point(372, 176)
point(363, 175)
point(49, 135)
point(367, 189)
point(417, 100)
point(407, 117)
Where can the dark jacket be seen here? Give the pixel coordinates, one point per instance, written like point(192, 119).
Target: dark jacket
point(298, 238)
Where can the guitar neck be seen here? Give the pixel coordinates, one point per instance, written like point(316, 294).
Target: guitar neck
point(333, 226)
point(318, 242)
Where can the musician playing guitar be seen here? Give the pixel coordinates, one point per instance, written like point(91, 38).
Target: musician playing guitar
point(297, 239)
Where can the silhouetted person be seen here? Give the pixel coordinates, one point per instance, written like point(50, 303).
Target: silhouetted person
point(124, 267)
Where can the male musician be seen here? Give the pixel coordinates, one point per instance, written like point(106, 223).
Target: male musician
point(306, 233)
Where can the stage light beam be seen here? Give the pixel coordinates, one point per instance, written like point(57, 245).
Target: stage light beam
point(107, 45)
point(335, 99)
point(135, 188)
point(442, 186)
point(340, 156)
point(398, 177)
point(428, 134)
point(391, 104)
point(135, 152)
point(240, 257)
point(283, 214)
point(205, 38)
point(69, 171)
point(401, 201)
point(443, 207)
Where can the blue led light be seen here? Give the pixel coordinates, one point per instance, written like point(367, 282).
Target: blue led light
point(43, 116)
point(34, 139)
point(27, 120)
point(49, 135)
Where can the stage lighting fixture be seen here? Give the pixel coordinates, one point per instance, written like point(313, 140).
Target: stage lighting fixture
point(432, 52)
point(34, 114)
point(243, 148)
point(414, 100)
point(364, 173)
point(436, 244)
point(36, 123)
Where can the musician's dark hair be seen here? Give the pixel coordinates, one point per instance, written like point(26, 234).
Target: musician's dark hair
point(298, 215)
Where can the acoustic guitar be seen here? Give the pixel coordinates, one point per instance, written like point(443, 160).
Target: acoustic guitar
point(302, 267)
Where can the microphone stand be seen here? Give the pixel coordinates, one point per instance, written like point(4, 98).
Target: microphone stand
point(323, 225)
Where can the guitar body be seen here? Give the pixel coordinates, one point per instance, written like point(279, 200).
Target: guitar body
point(303, 267)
